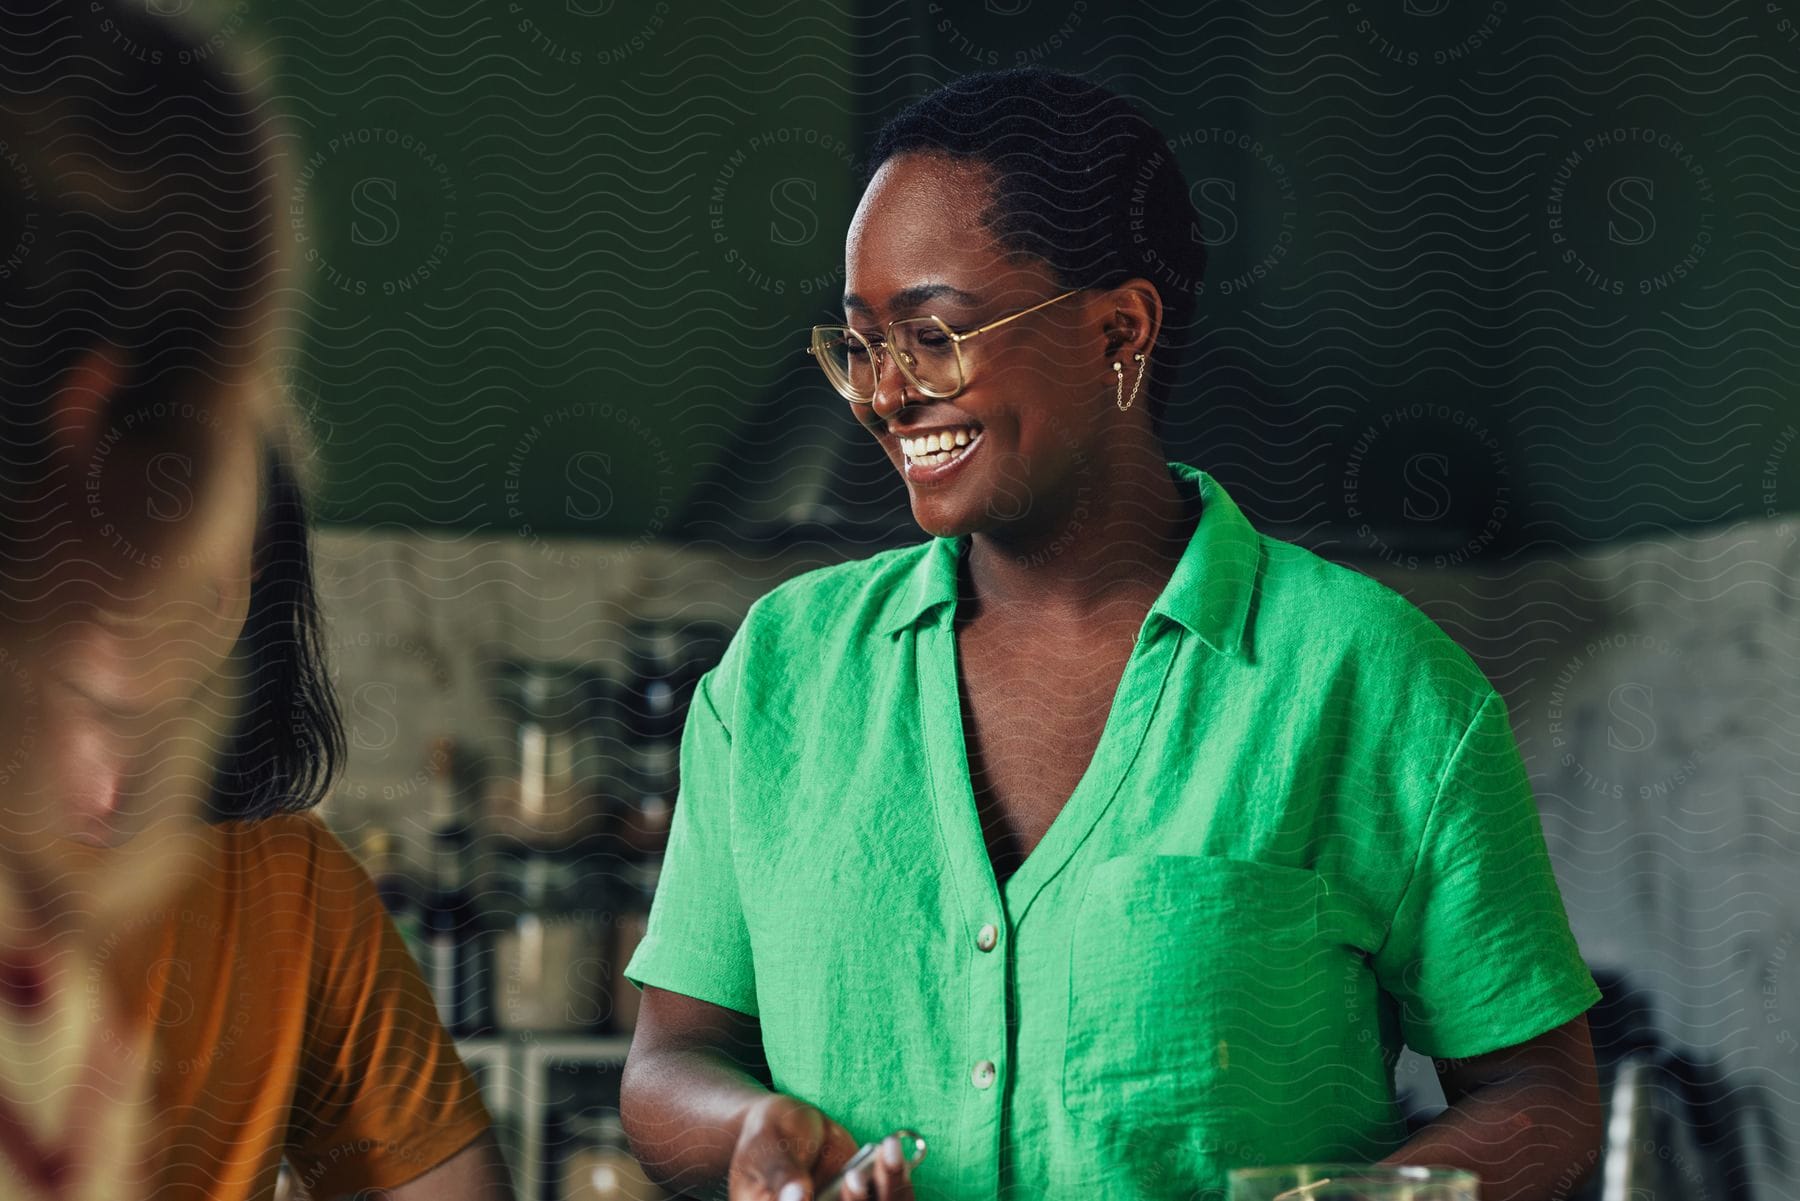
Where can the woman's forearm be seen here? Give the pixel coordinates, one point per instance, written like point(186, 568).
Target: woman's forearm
point(683, 1111)
point(1527, 1137)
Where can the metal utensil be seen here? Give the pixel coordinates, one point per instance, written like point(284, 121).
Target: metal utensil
point(865, 1155)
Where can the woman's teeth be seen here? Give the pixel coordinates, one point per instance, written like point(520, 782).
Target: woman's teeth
point(940, 447)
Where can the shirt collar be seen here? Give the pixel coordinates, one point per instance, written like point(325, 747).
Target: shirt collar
point(1208, 594)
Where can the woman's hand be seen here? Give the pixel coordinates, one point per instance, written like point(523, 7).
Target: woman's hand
point(889, 1178)
point(788, 1150)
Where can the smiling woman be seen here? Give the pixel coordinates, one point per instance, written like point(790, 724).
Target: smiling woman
point(1101, 839)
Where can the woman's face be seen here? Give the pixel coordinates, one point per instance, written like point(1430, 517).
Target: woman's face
point(127, 644)
point(1038, 404)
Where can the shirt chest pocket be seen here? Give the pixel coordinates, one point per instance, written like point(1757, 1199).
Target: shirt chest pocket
point(1207, 993)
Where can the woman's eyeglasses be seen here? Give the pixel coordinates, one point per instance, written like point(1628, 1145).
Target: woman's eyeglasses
point(925, 349)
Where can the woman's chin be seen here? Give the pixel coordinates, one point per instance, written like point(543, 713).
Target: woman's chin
point(948, 511)
point(939, 519)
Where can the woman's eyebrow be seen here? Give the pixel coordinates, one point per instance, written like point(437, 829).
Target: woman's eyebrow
point(907, 298)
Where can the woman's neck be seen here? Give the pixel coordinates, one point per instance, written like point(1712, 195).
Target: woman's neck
point(1113, 538)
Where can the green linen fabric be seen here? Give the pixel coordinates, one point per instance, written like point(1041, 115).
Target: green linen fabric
point(1305, 838)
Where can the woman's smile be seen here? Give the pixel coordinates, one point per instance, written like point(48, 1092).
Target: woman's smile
point(933, 456)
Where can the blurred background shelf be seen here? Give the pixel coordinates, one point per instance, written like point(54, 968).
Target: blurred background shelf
point(554, 1101)
point(514, 730)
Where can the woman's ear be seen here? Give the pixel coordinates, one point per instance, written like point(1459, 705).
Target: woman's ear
point(1134, 318)
point(82, 397)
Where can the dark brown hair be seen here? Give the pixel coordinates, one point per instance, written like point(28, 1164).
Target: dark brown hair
point(141, 178)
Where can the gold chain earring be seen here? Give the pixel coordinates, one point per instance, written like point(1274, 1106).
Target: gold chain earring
point(1119, 378)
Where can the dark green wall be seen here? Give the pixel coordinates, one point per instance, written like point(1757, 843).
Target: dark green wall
point(554, 246)
point(1444, 318)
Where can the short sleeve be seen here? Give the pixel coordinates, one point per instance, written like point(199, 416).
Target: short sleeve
point(382, 1095)
point(696, 942)
point(1479, 954)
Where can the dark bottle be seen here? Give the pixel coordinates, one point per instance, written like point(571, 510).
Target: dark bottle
point(664, 662)
point(453, 918)
point(647, 800)
point(650, 706)
point(400, 896)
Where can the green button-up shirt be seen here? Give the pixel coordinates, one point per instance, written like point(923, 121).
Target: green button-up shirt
point(1305, 838)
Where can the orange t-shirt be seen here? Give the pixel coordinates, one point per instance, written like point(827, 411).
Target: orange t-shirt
point(281, 1015)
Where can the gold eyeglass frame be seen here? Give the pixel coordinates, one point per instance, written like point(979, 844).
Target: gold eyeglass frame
point(821, 332)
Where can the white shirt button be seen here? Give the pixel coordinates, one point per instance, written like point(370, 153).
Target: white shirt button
point(988, 938)
point(983, 1075)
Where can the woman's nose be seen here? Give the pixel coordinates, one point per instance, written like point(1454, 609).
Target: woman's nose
point(890, 387)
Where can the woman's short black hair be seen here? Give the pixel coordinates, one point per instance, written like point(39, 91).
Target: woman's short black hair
point(288, 744)
point(1082, 180)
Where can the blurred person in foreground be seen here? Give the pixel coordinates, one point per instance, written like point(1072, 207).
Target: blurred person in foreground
point(196, 979)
